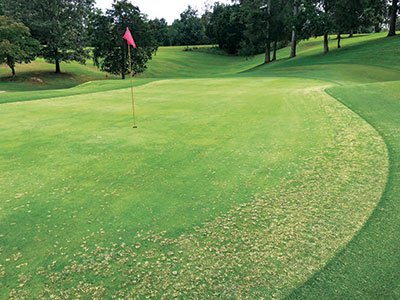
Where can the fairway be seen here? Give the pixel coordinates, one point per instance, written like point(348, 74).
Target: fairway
point(241, 181)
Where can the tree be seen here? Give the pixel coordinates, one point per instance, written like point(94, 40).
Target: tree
point(110, 51)
point(58, 24)
point(347, 16)
point(188, 30)
point(374, 14)
point(326, 20)
point(1, 8)
point(160, 31)
point(280, 24)
point(257, 17)
point(226, 28)
point(293, 41)
point(16, 45)
point(393, 17)
point(268, 23)
point(268, 31)
point(317, 19)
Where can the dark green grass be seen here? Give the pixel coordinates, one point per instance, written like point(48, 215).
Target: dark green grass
point(364, 59)
point(369, 267)
point(371, 50)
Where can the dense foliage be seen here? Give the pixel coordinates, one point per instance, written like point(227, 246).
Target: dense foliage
point(16, 44)
point(60, 26)
point(188, 30)
point(248, 27)
point(110, 51)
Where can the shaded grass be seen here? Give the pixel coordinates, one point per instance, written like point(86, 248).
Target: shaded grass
point(82, 89)
point(40, 75)
point(369, 58)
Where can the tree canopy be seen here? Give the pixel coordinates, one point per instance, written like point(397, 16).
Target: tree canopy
point(110, 50)
point(58, 24)
point(189, 29)
point(16, 44)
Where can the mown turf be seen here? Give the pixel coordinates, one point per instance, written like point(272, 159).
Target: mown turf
point(234, 186)
point(368, 268)
point(81, 177)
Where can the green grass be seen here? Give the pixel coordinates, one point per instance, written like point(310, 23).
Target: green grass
point(369, 266)
point(97, 174)
point(241, 181)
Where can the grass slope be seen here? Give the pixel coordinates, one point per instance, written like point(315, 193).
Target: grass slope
point(84, 88)
point(40, 75)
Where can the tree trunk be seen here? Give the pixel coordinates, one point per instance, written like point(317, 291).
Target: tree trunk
point(58, 70)
point(13, 71)
point(57, 59)
point(338, 40)
point(122, 75)
point(268, 53)
point(326, 46)
point(293, 42)
point(11, 64)
point(275, 48)
point(377, 28)
point(393, 16)
point(351, 34)
point(268, 48)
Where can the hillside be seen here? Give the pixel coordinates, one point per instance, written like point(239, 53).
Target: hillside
point(40, 75)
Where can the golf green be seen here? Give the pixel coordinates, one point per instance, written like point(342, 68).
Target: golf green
point(241, 180)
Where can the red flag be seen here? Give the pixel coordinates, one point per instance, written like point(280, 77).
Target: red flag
point(128, 37)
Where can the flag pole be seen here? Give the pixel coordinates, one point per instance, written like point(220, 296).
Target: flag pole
point(133, 101)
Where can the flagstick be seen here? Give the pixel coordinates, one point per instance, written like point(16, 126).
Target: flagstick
point(133, 101)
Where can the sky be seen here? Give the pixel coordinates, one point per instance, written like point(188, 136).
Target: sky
point(167, 9)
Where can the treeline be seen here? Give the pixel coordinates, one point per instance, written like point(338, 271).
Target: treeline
point(74, 30)
point(248, 27)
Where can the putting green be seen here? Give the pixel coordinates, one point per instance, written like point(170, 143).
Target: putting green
point(230, 187)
